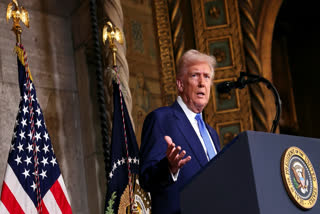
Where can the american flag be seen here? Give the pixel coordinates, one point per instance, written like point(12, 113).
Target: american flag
point(30, 139)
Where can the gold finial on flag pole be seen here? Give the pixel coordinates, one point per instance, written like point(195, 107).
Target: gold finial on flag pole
point(17, 14)
point(112, 34)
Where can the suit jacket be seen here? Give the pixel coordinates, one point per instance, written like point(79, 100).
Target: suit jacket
point(154, 173)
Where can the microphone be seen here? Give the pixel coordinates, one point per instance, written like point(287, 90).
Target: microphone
point(245, 79)
point(225, 87)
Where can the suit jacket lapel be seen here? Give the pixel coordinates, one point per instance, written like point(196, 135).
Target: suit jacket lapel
point(190, 135)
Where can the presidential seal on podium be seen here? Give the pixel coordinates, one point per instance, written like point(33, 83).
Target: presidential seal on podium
point(299, 178)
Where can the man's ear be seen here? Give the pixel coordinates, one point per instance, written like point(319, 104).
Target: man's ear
point(179, 85)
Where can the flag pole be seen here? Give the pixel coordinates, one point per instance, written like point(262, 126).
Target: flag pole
point(112, 34)
point(21, 14)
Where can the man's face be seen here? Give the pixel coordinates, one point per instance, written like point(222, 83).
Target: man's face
point(194, 86)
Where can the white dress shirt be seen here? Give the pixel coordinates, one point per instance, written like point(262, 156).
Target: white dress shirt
point(192, 118)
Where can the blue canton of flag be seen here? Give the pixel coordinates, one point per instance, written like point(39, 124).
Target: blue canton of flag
point(19, 191)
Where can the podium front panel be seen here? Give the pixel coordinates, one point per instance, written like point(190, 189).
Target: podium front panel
point(245, 177)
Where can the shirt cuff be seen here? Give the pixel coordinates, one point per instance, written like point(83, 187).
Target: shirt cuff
point(175, 176)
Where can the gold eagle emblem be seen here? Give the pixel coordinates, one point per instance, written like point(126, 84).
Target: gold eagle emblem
point(17, 13)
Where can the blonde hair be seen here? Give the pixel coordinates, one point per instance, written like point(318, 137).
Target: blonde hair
point(192, 57)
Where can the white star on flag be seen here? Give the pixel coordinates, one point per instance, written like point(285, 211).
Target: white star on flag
point(18, 160)
point(44, 161)
point(38, 123)
point(38, 136)
point(30, 147)
point(38, 111)
point(20, 147)
point(46, 136)
point(24, 122)
point(33, 186)
point(25, 110)
point(27, 160)
point(43, 174)
point(53, 161)
point(22, 135)
point(45, 149)
point(25, 97)
point(30, 135)
point(26, 173)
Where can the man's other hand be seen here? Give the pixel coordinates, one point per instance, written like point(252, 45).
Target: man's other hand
point(174, 156)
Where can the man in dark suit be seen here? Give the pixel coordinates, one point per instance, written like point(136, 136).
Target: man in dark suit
point(176, 143)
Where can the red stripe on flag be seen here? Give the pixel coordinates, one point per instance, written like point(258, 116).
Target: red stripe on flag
point(10, 201)
point(61, 199)
point(44, 208)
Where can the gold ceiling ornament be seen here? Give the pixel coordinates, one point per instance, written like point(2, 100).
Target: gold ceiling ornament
point(112, 34)
point(17, 13)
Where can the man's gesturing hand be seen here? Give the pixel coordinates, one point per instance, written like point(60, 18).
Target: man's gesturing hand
point(174, 156)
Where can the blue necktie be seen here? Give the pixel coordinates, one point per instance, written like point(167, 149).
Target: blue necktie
point(204, 134)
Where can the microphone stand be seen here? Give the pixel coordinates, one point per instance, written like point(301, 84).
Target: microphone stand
point(246, 79)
